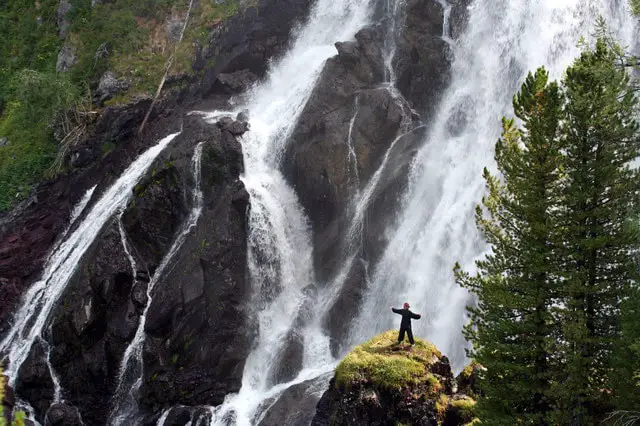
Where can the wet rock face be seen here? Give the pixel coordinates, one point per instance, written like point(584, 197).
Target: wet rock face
point(355, 126)
point(35, 382)
point(422, 58)
point(197, 339)
point(197, 323)
point(296, 406)
point(240, 47)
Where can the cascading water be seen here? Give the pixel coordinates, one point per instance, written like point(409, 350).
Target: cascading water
point(280, 252)
point(434, 228)
point(504, 40)
point(39, 301)
point(130, 378)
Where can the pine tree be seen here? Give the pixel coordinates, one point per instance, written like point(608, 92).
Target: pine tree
point(626, 369)
point(600, 194)
point(511, 327)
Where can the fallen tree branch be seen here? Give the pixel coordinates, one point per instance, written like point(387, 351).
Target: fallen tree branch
point(167, 68)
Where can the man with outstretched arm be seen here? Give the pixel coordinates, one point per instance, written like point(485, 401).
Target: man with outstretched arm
point(405, 324)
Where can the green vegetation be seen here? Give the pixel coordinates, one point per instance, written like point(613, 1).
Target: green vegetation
point(558, 286)
point(378, 363)
point(19, 417)
point(128, 37)
point(465, 407)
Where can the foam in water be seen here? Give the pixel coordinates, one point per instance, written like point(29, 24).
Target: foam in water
point(79, 208)
point(40, 299)
point(131, 370)
point(504, 40)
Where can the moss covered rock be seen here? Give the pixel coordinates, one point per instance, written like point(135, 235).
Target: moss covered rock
point(383, 383)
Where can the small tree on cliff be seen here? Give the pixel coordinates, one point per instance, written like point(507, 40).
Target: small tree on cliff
point(600, 196)
point(511, 327)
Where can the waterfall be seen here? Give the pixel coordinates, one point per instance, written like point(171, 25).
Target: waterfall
point(40, 299)
point(434, 224)
point(131, 369)
point(280, 250)
point(435, 228)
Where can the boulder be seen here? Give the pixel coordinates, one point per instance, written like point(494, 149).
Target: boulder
point(382, 383)
point(236, 82)
point(66, 57)
point(174, 30)
point(62, 17)
point(109, 86)
point(296, 405)
point(62, 414)
point(467, 380)
point(235, 127)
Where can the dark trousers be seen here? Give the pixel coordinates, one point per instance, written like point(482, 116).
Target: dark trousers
point(409, 333)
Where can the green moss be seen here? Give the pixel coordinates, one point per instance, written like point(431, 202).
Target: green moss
point(442, 403)
point(380, 362)
point(465, 406)
point(174, 358)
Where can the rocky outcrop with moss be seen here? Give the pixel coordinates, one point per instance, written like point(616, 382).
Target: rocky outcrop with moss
point(382, 383)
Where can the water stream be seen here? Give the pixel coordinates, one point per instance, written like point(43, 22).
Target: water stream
point(38, 302)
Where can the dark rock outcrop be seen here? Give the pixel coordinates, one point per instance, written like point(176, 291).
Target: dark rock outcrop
point(296, 406)
point(109, 86)
point(197, 338)
point(62, 414)
point(467, 380)
point(245, 42)
point(349, 154)
point(8, 400)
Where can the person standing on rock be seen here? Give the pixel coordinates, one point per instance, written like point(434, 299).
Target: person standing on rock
point(405, 324)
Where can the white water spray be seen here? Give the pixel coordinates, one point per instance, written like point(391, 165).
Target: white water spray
point(40, 299)
point(504, 40)
point(79, 208)
point(131, 368)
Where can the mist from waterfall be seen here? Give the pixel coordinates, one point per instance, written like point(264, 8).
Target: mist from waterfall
point(435, 227)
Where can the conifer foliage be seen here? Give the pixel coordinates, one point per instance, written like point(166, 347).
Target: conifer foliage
point(550, 295)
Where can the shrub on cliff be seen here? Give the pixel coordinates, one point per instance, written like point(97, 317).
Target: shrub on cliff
point(19, 417)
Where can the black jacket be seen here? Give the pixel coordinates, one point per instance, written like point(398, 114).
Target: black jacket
point(407, 315)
